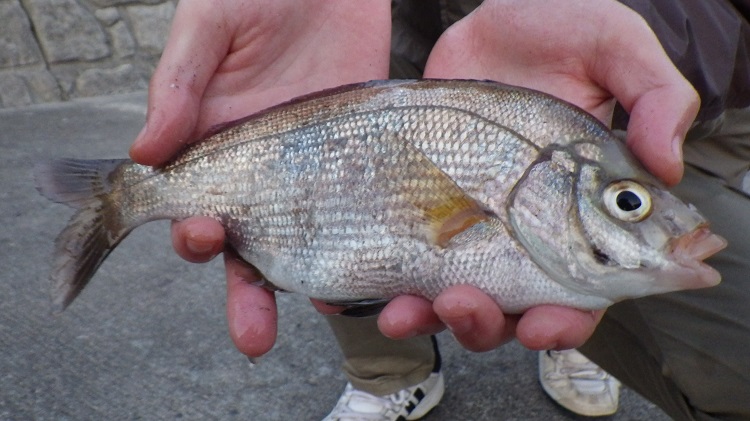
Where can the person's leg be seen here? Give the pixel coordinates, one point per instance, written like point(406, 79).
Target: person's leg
point(379, 365)
point(687, 351)
point(388, 379)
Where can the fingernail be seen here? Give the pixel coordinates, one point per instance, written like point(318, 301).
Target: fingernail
point(461, 326)
point(554, 346)
point(677, 148)
point(141, 135)
point(199, 247)
point(259, 282)
point(139, 141)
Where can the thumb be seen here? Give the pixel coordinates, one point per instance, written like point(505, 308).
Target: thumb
point(659, 121)
point(251, 309)
point(192, 53)
point(661, 102)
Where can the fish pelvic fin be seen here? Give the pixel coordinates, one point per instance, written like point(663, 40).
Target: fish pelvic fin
point(362, 308)
point(92, 232)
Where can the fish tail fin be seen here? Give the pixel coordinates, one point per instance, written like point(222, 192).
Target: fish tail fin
point(92, 232)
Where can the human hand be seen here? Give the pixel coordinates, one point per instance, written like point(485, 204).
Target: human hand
point(476, 321)
point(227, 59)
point(588, 53)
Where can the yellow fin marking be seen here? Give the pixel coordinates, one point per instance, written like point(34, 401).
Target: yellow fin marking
point(452, 218)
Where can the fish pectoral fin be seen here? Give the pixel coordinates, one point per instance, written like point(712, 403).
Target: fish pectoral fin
point(451, 218)
point(444, 210)
point(362, 308)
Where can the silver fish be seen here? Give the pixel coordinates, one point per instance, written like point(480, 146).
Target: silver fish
point(370, 191)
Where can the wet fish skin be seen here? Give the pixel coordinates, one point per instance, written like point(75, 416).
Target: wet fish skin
point(403, 187)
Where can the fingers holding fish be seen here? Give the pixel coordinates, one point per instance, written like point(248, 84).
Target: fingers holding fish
point(661, 102)
point(251, 308)
point(474, 318)
point(659, 120)
point(198, 239)
point(555, 327)
point(479, 324)
point(407, 316)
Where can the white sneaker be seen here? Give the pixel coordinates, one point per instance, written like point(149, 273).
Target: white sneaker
point(578, 384)
point(411, 403)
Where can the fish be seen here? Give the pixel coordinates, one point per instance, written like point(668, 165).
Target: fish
point(365, 192)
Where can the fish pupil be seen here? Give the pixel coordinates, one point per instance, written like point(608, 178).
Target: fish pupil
point(628, 201)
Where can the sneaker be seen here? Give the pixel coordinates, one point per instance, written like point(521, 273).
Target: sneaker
point(411, 403)
point(577, 384)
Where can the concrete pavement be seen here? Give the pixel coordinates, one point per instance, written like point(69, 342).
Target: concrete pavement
point(147, 340)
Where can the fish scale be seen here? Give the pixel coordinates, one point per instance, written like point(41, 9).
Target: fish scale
point(328, 241)
point(369, 191)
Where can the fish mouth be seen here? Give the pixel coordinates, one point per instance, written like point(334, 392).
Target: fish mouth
point(689, 251)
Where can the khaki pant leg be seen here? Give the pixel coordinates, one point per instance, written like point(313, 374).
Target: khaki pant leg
point(379, 365)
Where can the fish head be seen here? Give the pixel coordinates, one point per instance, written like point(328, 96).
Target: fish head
point(616, 231)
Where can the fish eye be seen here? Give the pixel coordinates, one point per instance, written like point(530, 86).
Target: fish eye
point(627, 201)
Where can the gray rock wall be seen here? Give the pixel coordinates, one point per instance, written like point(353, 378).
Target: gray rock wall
point(55, 50)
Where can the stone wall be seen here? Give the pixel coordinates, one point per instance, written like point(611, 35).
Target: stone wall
point(54, 50)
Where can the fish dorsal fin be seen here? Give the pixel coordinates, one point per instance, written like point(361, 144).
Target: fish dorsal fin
point(444, 209)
